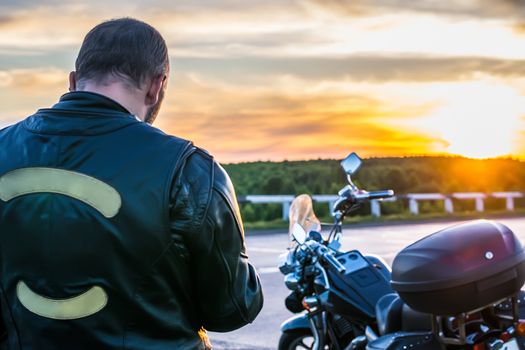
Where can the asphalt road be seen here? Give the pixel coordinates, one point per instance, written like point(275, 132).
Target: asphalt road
point(264, 251)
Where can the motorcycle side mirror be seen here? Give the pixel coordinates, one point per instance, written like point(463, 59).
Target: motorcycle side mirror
point(316, 236)
point(351, 164)
point(298, 233)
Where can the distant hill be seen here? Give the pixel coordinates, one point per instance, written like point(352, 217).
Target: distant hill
point(403, 175)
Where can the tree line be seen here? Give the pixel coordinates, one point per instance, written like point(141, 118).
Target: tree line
point(403, 175)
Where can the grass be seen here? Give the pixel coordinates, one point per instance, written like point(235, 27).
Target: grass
point(280, 224)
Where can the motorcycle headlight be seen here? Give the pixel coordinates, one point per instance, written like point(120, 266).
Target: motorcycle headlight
point(287, 264)
point(291, 281)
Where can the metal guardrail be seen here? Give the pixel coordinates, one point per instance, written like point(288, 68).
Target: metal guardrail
point(375, 206)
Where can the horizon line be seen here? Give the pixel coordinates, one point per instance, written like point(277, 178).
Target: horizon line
point(450, 156)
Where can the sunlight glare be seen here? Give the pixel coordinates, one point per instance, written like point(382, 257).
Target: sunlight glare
point(478, 119)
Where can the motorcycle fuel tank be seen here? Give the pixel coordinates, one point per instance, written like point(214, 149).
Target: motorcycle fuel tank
point(355, 292)
point(460, 269)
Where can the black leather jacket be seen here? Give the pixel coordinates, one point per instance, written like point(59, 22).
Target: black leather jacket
point(114, 235)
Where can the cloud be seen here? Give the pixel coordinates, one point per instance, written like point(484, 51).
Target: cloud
point(273, 79)
point(23, 91)
point(277, 121)
point(53, 24)
point(481, 9)
point(391, 34)
point(5, 19)
point(236, 29)
point(284, 118)
point(373, 68)
point(519, 28)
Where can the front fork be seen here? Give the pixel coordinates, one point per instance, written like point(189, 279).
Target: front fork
point(319, 329)
point(323, 331)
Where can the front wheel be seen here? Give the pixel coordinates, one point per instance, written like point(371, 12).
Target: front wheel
point(296, 340)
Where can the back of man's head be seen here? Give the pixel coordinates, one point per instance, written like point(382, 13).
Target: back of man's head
point(123, 48)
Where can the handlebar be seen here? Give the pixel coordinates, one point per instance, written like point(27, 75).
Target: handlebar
point(349, 196)
point(360, 196)
point(325, 254)
point(333, 262)
point(380, 194)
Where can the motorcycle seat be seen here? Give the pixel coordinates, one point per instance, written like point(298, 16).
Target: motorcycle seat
point(393, 315)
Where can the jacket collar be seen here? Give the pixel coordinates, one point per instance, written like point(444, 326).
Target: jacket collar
point(81, 113)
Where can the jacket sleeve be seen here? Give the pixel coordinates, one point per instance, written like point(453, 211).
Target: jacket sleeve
point(205, 217)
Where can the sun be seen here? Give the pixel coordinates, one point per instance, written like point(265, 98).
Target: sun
point(478, 119)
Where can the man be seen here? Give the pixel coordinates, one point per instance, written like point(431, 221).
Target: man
point(114, 235)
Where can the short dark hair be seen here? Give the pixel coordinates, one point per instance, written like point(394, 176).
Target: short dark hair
point(124, 47)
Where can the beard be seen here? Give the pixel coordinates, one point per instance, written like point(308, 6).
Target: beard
point(153, 111)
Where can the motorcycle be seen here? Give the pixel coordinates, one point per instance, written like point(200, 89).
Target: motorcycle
point(458, 288)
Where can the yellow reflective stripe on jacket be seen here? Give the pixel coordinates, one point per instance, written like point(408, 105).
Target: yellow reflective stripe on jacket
point(87, 189)
point(83, 305)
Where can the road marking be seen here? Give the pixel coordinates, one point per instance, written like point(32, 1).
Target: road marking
point(266, 250)
point(267, 270)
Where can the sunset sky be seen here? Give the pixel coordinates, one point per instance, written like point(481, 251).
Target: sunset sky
point(275, 79)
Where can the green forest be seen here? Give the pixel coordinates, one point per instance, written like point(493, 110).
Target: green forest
point(403, 175)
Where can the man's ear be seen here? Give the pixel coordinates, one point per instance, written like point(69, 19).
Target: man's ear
point(72, 81)
point(153, 92)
